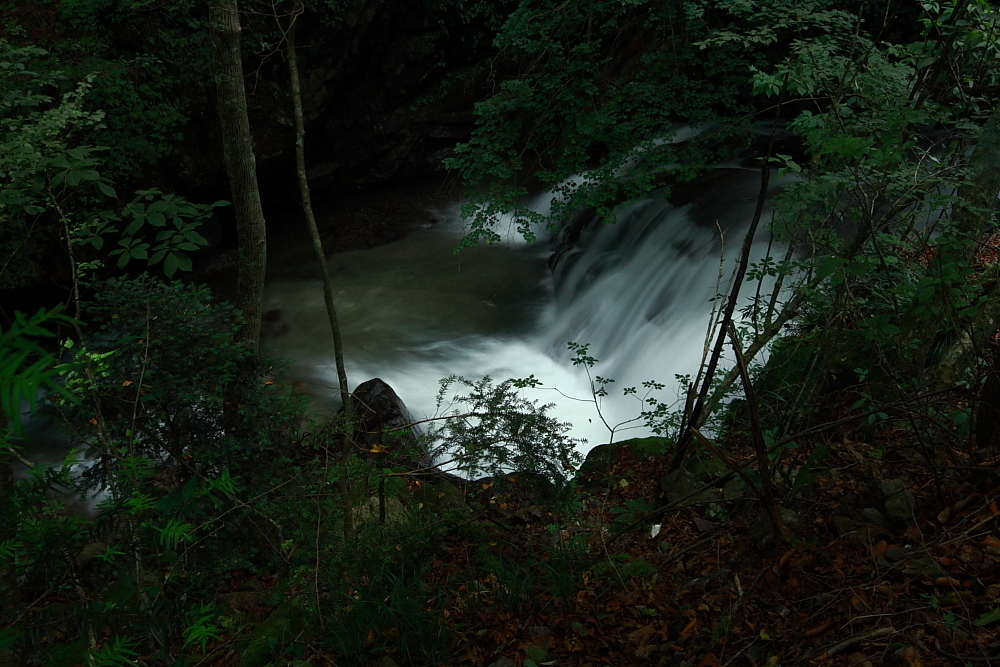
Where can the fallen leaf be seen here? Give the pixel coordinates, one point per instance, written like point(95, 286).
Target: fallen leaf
point(704, 526)
point(642, 635)
point(947, 582)
point(910, 656)
point(710, 660)
point(817, 630)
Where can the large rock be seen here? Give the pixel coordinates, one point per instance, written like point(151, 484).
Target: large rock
point(593, 472)
point(383, 422)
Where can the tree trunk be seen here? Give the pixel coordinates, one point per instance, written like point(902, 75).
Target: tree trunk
point(331, 311)
point(237, 145)
point(10, 598)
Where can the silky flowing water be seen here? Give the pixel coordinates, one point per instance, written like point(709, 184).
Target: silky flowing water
point(639, 292)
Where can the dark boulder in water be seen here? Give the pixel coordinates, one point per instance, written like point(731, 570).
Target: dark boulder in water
point(383, 428)
point(381, 419)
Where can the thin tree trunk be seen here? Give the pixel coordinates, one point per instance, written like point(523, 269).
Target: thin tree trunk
point(237, 145)
point(331, 310)
point(695, 404)
point(9, 597)
point(763, 465)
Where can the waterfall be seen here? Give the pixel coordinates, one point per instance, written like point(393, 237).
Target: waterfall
point(639, 292)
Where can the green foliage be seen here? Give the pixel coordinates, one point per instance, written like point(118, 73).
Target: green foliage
point(154, 208)
point(26, 367)
point(115, 653)
point(159, 459)
point(41, 165)
point(575, 99)
point(495, 430)
point(51, 185)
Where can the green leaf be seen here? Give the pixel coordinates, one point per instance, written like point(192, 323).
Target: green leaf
point(989, 617)
point(133, 227)
point(170, 265)
point(107, 190)
point(183, 261)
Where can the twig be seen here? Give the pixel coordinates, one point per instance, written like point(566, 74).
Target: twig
point(859, 638)
point(691, 547)
point(25, 462)
point(953, 656)
point(221, 646)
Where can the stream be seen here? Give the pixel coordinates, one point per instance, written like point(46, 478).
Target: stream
point(413, 312)
point(638, 292)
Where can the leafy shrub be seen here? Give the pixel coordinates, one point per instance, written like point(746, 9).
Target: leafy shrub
point(499, 431)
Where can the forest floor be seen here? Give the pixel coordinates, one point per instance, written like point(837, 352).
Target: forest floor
point(893, 561)
point(862, 584)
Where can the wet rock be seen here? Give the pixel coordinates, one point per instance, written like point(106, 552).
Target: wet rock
point(734, 489)
point(382, 422)
point(762, 527)
point(896, 555)
point(678, 486)
point(598, 461)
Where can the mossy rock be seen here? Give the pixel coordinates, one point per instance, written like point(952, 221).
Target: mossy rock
point(277, 631)
point(705, 468)
point(599, 459)
point(680, 484)
point(368, 512)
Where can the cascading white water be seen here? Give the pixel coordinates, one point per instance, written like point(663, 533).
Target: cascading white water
point(412, 312)
point(639, 292)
